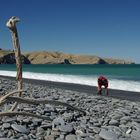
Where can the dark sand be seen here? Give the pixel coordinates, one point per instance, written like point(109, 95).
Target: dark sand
point(127, 95)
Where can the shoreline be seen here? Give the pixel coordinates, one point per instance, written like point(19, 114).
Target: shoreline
point(92, 90)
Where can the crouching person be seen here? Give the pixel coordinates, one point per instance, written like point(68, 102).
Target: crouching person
point(102, 81)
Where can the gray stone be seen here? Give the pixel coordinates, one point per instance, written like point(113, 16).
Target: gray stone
point(108, 135)
point(66, 128)
point(19, 128)
point(71, 137)
point(50, 137)
point(136, 125)
point(37, 120)
point(126, 112)
point(29, 109)
point(114, 122)
point(21, 138)
point(129, 131)
point(8, 119)
point(125, 139)
point(57, 121)
point(97, 137)
point(27, 120)
point(6, 125)
point(60, 139)
point(126, 118)
point(88, 138)
point(95, 129)
point(117, 116)
point(68, 117)
point(46, 126)
point(40, 130)
point(135, 134)
point(97, 124)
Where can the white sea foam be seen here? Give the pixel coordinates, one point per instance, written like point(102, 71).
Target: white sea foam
point(84, 80)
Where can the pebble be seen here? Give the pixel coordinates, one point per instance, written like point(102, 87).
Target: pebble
point(57, 121)
point(136, 134)
point(6, 125)
point(66, 128)
point(19, 128)
point(95, 129)
point(9, 119)
point(114, 122)
point(108, 135)
point(71, 137)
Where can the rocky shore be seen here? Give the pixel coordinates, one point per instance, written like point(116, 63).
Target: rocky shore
point(106, 118)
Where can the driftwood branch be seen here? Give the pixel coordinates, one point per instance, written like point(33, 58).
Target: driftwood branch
point(11, 24)
point(24, 114)
point(43, 101)
point(3, 98)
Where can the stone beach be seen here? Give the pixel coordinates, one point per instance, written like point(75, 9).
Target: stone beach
point(106, 118)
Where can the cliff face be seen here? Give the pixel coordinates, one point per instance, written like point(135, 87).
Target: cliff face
point(117, 61)
point(61, 58)
point(8, 57)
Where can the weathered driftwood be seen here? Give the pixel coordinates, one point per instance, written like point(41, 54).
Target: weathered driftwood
point(12, 113)
point(43, 101)
point(11, 24)
point(3, 98)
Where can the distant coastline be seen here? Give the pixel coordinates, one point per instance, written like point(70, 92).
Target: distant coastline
point(44, 57)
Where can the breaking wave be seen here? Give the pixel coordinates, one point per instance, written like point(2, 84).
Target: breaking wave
point(128, 85)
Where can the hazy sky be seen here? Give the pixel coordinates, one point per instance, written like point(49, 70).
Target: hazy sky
point(106, 28)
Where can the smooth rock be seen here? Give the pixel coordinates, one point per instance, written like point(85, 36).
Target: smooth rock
point(88, 138)
point(128, 131)
point(126, 118)
point(19, 128)
point(108, 135)
point(9, 119)
point(114, 122)
point(6, 125)
point(50, 137)
point(57, 121)
point(95, 129)
point(135, 134)
point(66, 128)
point(71, 137)
point(29, 109)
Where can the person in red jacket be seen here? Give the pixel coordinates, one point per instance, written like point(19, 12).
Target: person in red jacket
point(102, 81)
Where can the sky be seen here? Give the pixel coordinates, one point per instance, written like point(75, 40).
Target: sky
point(105, 28)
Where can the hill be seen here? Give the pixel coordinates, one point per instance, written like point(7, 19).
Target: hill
point(44, 57)
point(62, 58)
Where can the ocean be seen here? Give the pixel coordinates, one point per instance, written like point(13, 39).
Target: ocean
point(122, 77)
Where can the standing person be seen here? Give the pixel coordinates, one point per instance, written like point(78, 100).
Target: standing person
point(102, 81)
